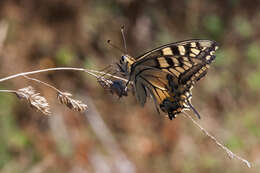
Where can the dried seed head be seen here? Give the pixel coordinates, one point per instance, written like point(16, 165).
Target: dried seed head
point(25, 93)
point(105, 83)
point(77, 105)
point(36, 101)
point(40, 103)
point(115, 87)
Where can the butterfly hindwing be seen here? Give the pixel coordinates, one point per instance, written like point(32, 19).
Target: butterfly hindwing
point(153, 81)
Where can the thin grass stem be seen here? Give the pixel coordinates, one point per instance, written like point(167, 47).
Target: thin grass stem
point(229, 152)
point(91, 72)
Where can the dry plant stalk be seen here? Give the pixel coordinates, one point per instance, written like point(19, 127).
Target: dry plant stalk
point(91, 72)
point(63, 97)
point(34, 99)
point(230, 154)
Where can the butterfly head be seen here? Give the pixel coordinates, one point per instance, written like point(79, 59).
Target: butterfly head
point(125, 64)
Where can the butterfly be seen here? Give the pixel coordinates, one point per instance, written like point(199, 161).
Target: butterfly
point(168, 73)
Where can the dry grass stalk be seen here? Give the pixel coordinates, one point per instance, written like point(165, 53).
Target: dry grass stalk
point(65, 98)
point(34, 99)
point(230, 154)
point(91, 72)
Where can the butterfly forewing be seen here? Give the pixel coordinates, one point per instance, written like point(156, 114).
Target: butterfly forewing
point(180, 57)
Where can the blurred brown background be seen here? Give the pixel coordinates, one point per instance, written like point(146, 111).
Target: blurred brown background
point(118, 135)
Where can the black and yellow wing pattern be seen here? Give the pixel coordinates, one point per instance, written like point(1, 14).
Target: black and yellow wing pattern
point(169, 72)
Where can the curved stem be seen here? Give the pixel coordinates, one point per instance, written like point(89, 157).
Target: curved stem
point(44, 83)
point(39, 71)
point(91, 72)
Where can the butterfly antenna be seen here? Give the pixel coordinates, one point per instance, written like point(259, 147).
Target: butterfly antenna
point(106, 68)
point(114, 46)
point(194, 110)
point(123, 35)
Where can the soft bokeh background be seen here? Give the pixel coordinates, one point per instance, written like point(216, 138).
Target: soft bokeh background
point(118, 135)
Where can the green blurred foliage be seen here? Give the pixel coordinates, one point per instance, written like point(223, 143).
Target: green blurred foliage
point(12, 138)
point(251, 123)
point(243, 27)
point(235, 143)
point(64, 56)
point(214, 26)
point(226, 57)
point(254, 81)
point(253, 53)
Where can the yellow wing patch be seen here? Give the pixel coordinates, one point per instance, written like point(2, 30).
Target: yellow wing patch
point(167, 51)
point(163, 63)
point(181, 50)
point(195, 51)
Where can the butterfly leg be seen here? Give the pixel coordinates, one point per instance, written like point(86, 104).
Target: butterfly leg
point(193, 109)
point(127, 84)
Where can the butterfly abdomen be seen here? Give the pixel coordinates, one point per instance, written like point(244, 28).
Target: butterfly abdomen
point(172, 107)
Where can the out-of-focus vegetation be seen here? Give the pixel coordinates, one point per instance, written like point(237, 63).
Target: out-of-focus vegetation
point(53, 33)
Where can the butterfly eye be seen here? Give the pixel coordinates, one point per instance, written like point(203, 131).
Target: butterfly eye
point(123, 59)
